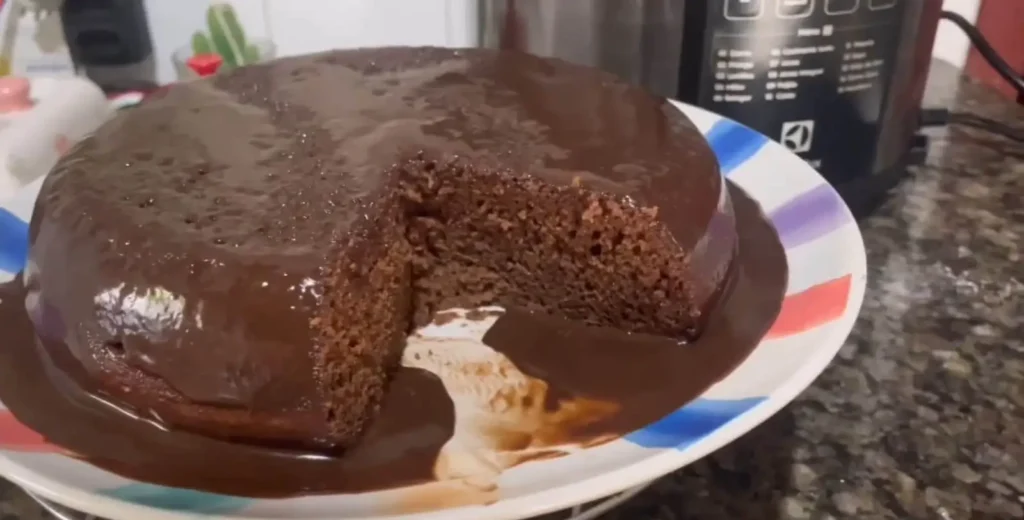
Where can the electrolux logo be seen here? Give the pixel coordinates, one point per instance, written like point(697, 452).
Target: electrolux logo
point(797, 135)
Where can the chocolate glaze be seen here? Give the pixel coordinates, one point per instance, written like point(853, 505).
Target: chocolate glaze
point(177, 254)
point(648, 377)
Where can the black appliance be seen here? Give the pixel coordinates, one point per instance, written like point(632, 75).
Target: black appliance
point(110, 42)
point(839, 82)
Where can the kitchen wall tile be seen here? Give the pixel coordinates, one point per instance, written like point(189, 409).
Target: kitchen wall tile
point(302, 26)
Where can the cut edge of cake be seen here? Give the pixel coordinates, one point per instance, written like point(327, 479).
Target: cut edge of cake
point(452, 235)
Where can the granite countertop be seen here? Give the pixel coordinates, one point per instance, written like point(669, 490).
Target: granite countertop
point(922, 414)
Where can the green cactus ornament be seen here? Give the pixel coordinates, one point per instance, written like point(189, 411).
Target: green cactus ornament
point(225, 37)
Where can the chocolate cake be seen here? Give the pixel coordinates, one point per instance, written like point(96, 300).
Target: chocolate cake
point(244, 256)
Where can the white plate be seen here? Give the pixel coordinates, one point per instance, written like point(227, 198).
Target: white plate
point(827, 275)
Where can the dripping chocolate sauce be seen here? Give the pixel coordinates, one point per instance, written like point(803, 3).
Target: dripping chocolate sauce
point(647, 377)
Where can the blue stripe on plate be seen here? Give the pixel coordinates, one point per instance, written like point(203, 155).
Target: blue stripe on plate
point(733, 144)
point(13, 242)
point(173, 499)
point(691, 423)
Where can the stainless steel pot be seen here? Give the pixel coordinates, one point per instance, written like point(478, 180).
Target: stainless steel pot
point(639, 40)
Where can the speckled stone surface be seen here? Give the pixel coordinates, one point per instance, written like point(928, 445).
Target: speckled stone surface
point(922, 414)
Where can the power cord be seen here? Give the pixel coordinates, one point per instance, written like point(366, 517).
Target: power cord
point(986, 50)
point(943, 116)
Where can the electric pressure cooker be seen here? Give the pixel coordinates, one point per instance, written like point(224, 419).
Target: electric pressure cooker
point(838, 82)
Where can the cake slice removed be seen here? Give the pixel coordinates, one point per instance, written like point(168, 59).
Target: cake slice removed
point(244, 256)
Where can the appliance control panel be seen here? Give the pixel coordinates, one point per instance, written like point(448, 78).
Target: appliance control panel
point(811, 74)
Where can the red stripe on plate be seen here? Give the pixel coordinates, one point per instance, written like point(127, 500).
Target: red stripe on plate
point(15, 436)
point(812, 308)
